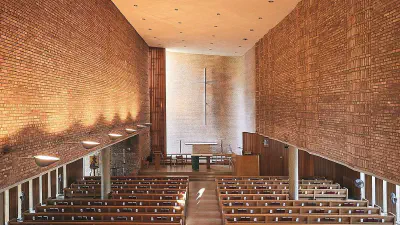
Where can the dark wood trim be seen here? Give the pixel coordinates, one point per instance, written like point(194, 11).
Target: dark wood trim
point(157, 82)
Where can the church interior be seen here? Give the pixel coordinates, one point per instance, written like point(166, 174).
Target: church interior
point(211, 112)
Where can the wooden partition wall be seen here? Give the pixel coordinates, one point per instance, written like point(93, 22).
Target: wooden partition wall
point(157, 74)
point(274, 161)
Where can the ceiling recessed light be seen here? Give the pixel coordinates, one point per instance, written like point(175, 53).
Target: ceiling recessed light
point(180, 22)
point(270, 1)
point(235, 52)
point(209, 49)
point(215, 26)
point(176, 9)
point(183, 40)
point(218, 14)
point(240, 46)
point(184, 46)
point(155, 37)
point(244, 39)
point(150, 29)
point(211, 43)
point(251, 29)
point(143, 18)
point(181, 32)
point(260, 18)
point(135, 5)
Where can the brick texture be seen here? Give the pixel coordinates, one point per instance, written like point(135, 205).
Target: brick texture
point(230, 100)
point(328, 81)
point(70, 70)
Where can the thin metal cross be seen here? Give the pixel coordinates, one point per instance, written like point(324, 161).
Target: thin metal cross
point(205, 94)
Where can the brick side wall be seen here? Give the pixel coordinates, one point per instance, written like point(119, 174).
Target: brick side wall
point(328, 81)
point(70, 70)
point(230, 100)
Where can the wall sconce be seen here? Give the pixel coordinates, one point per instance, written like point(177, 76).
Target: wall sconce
point(147, 124)
point(44, 160)
point(89, 144)
point(114, 136)
point(141, 126)
point(130, 130)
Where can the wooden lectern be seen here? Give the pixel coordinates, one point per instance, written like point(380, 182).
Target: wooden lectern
point(246, 165)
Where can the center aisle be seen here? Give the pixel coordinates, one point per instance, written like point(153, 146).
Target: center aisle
point(204, 210)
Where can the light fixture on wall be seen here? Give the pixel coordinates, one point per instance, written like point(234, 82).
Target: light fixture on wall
point(147, 124)
point(141, 126)
point(359, 183)
point(89, 144)
point(114, 136)
point(45, 160)
point(130, 130)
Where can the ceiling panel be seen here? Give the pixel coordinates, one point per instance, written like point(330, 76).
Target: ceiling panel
point(215, 27)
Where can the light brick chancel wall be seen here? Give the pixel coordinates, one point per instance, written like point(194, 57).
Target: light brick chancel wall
point(70, 71)
point(230, 98)
point(328, 81)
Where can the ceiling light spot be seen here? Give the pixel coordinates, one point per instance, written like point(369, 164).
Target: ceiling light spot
point(135, 5)
point(210, 49)
point(143, 18)
point(184, 46)
point(240, 46)
point(180, 22)
point(218, 14)
point(213, 35)
point(270, 1)
point(150, 29)
point(183, 40)
point(244, 39)
point(155, 37)
point(251, 29)
point(235, 52)
point(176, 9)
point(215, 26)
point(181, 32)
point(211, 43)
point(260, 18)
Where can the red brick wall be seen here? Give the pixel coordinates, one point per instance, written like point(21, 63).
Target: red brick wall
point(70, 71)
point(328, 81)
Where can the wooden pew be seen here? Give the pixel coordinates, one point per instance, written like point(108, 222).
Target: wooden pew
point(135, 200)
point(308, 193)
point(109, 209)
point(151, 178)
point(253, 197)
point(301, 210)
point(283, 203)
point(119, 182)
point(14, 222)
point(96, 192)
point(94, 216)
point(112, 202)
point(277, 186)
point(247, 219)
point(120, 186)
